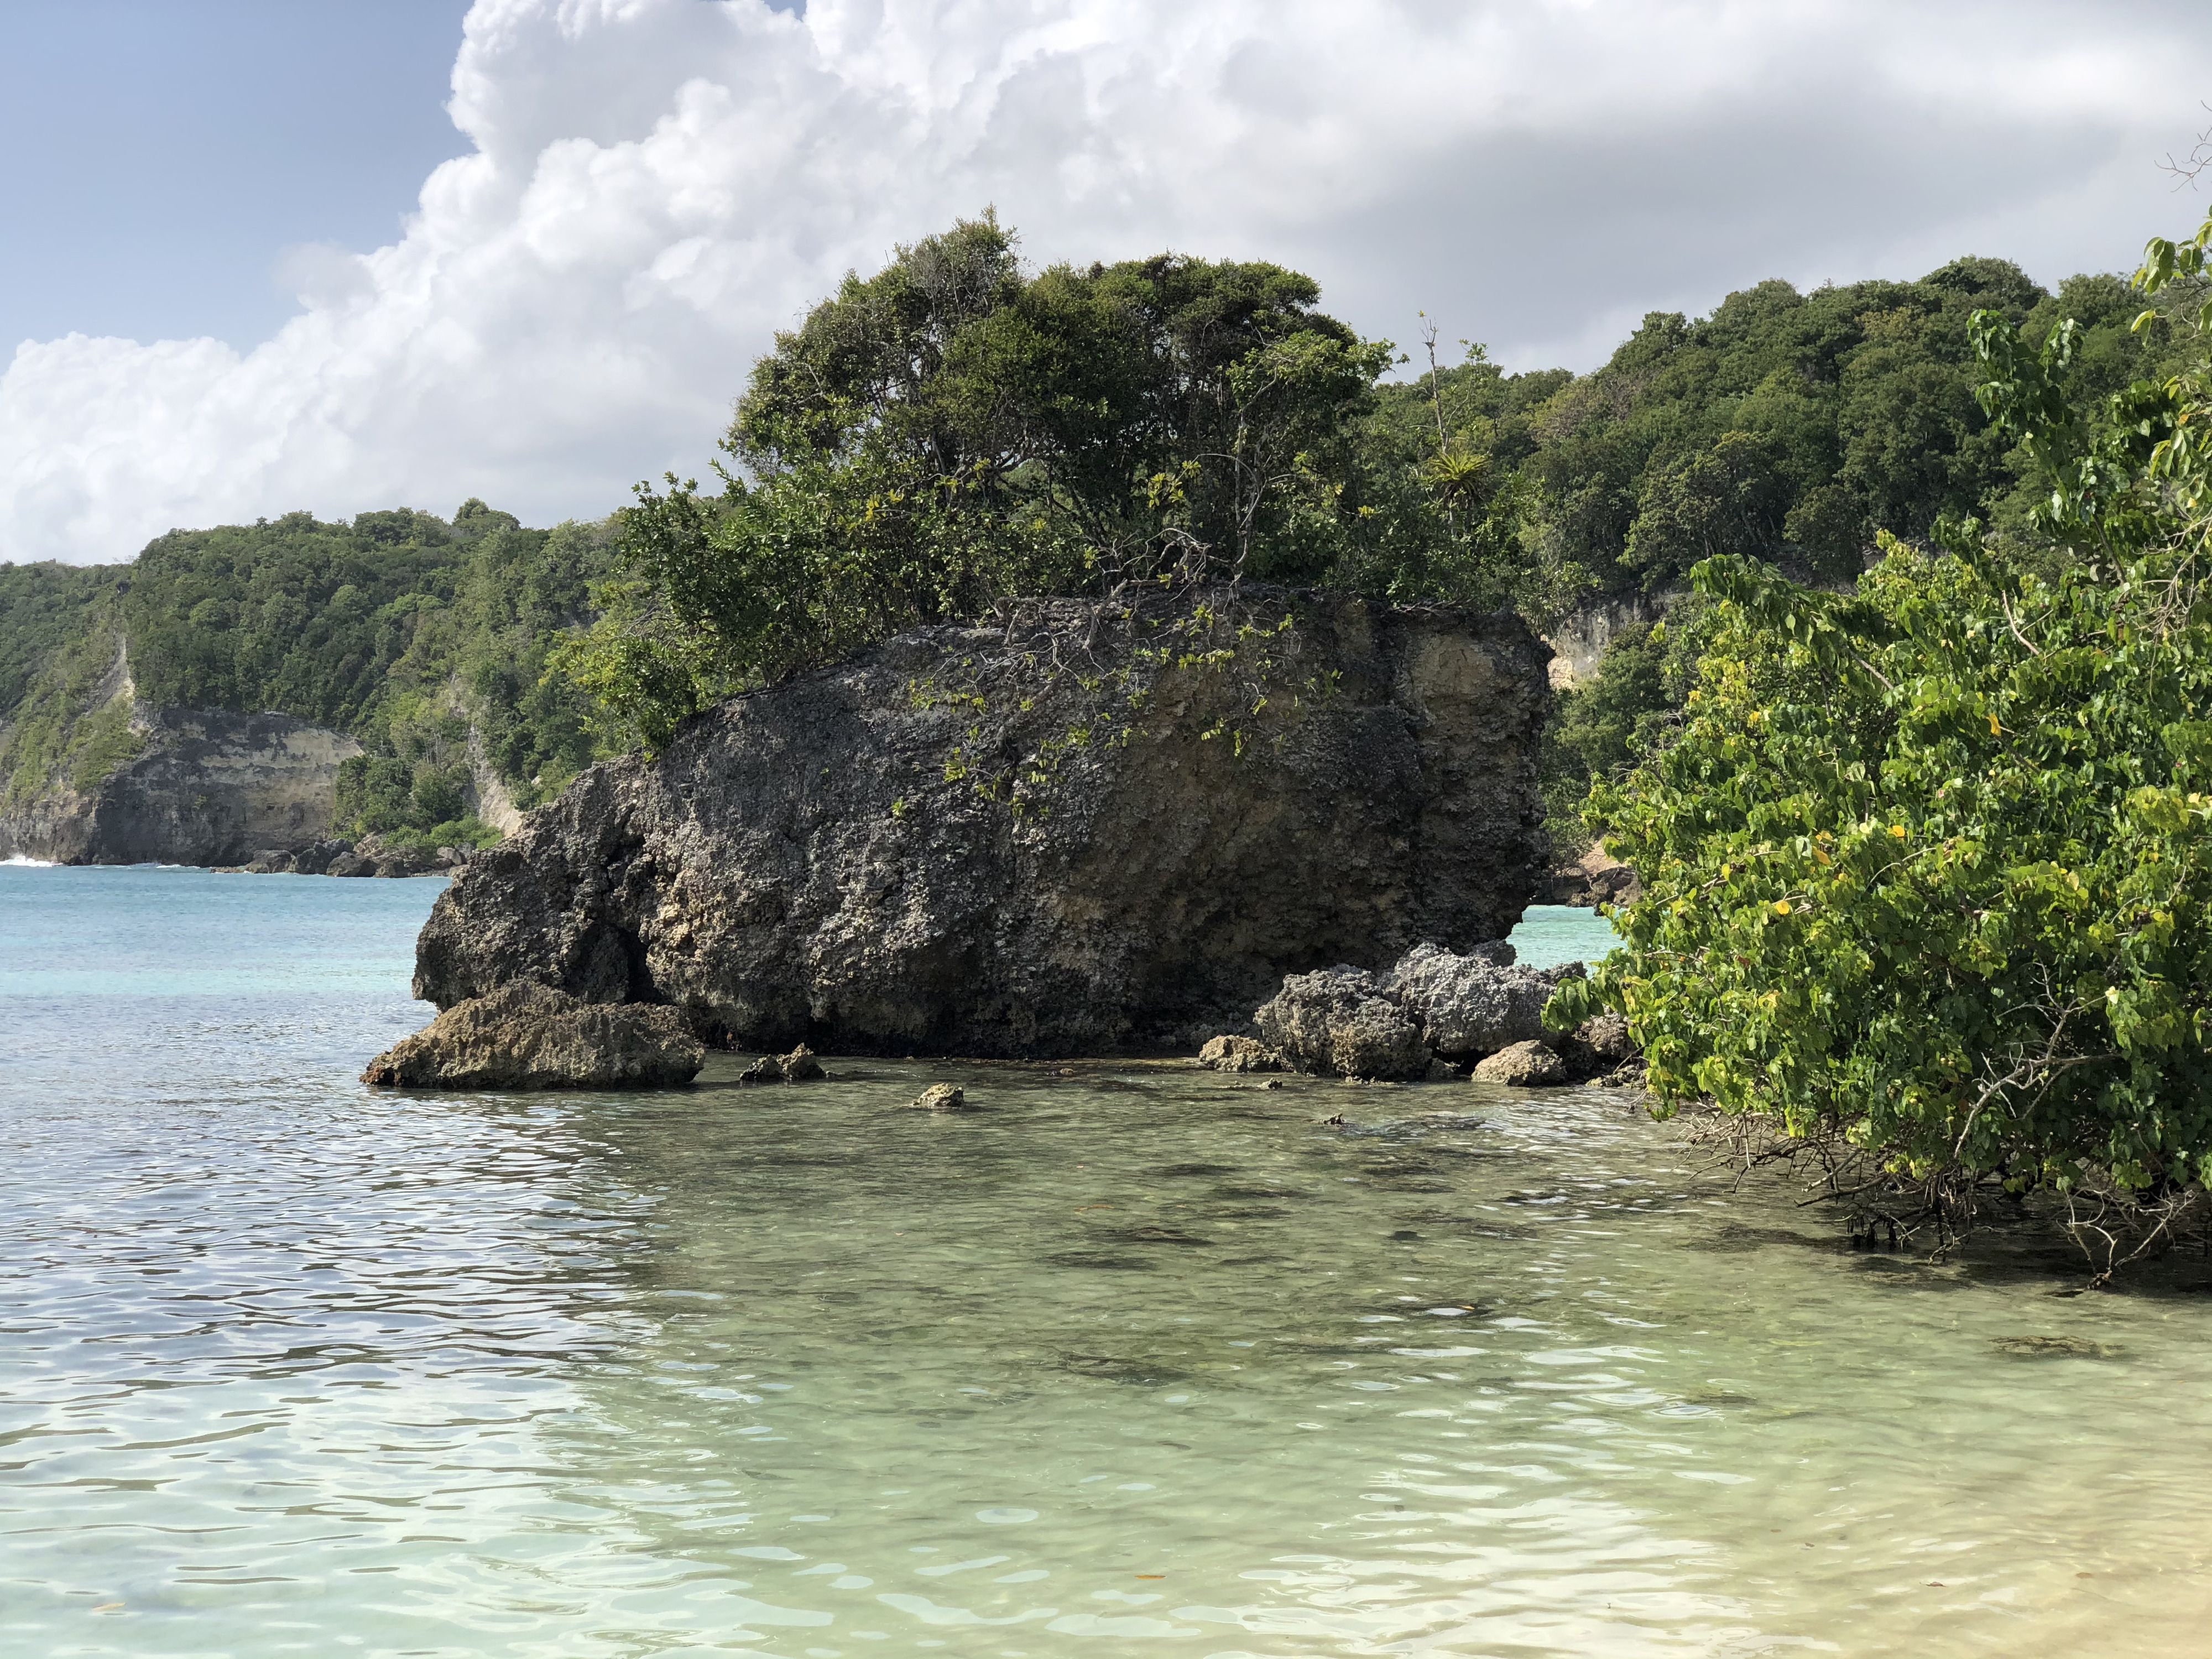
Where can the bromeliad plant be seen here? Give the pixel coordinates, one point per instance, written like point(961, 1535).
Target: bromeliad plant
point(1928, 874)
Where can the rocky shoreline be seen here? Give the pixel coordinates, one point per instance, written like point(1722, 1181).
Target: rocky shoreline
point(372, 855)
point(1434, 1017)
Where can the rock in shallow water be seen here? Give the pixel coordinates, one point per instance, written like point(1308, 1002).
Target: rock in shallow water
point(1523, 1065)
point(816, 860)
point(1238, 1054)
point(1476, 1004)
point(799, 1065)
point(941, 1097)
point(1341, 1020)
point(528, 1037)
point(1600, 1047)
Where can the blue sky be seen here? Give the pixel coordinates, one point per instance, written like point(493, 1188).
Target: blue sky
point(164, 153)
point(343, 254)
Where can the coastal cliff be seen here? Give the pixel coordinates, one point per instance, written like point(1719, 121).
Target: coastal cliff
point(195, 786)
point(816, 861)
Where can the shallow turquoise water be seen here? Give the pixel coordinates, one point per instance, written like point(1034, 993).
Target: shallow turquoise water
point(1138, 1360)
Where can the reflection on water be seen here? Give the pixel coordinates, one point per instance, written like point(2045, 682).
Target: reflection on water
point(1138, 1360)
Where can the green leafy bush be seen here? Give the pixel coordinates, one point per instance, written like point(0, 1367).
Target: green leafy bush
point(1926, 871)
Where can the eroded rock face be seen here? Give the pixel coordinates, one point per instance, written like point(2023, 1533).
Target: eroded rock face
point(1477, 1004)
point(528, 1037)
point(798, 865)
point(1344, 1021)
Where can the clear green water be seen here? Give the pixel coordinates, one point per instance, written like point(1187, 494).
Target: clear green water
point(1138, 1360)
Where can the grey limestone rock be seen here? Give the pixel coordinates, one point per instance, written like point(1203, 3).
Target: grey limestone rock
point(1340, 1020)
point(526, 1036)
point(1477, 1004)
point(1523, 1065)
point(941, 1097)
point(807, 862)
point(799, 1065)
point(1598, 1047)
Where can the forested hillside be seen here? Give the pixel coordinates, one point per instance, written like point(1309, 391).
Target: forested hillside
point(959, 427)
point(1788, 427)
point(407, 631)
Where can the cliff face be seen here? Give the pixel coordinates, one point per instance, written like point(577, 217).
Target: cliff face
point(206, 786)
point(816, 862)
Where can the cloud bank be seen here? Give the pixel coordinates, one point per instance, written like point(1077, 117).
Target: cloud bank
point(657, 185)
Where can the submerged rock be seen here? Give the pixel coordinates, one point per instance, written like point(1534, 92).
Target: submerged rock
point(1600, 1046)
point(1524, 1065)
point(1474, 1004)
point(528, 1037)
point(1238, 1054)
point(1341, 1020)
point(799, 1065)
point(815, 859)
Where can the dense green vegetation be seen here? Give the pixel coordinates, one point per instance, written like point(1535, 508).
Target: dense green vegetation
point(1927, 867)
point(957, 428)
point(404, 629)
point(954, 430)
point(43, 607)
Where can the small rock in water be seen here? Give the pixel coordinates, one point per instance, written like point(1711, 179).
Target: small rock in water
point(941, 1097)
point(799, 1065)
point(2055, 1347)
point(1523, 1065)
point(1239, 1054)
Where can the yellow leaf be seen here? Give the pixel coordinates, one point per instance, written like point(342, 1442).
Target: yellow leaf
point(1782, 907)
point(1995, 729)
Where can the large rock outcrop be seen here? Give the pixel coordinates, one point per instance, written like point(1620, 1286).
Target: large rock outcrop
point(526, 1036)
point(817, 862)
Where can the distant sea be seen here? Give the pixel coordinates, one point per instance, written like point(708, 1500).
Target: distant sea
point(1135, 1360)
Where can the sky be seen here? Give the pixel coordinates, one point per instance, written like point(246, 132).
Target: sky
point(265, 255)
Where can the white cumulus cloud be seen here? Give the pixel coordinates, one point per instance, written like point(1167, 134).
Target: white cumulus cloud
point(657, 185)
